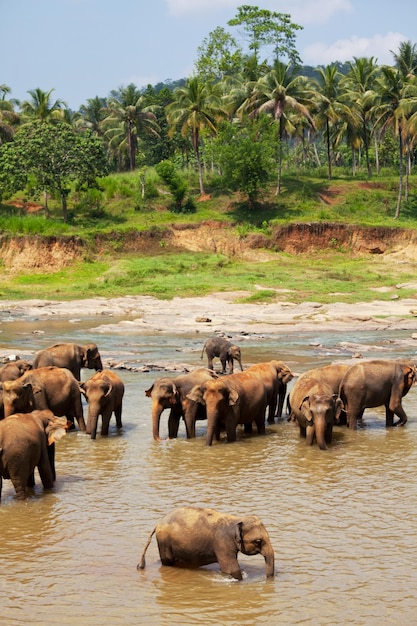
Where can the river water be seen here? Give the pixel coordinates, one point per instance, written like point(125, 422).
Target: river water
point(343, 522)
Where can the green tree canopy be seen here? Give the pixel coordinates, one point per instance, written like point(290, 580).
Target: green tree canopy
point(55, 156)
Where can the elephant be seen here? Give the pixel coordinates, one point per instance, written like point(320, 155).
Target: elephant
point(53, 388)
point(14, 369)
point(379, 382)
point(171, 393)
point(197, 536)
point(275, 376)
point(225, 350)
point(231, 400)
point(25, 443)
point(71, 356)
point(330, 375)
point(316, 408)
point(104, 393)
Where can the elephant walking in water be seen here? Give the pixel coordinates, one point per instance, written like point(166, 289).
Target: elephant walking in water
point(196, 536)
point(70, 356)
point(172, 393)
point(224, 350)
point(379, 382)
point(104, 393)
point(316, 408)
point(26, 440)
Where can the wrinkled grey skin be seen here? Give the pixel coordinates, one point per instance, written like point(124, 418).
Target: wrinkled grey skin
point(104, 393)
point(196, 536)
point(24, 441)
point(172, 393)
point(316, 409)
point(71, 356)
point(379, 382)
point(275, 375)
point(53, 388)
point(240, 398)
point(14, 369)
point(224, 350)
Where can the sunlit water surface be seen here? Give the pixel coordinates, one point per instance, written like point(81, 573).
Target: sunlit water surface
point(343, 523)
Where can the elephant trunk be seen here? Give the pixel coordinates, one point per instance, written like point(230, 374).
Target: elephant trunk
point(240, 364)
point(268, 554)
point(211, 429)
point(92, 422)
point(156, 418)
point(320, 429)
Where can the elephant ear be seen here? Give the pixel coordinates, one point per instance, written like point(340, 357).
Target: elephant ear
point(107, 387)
point(196, 394)
point(305, 408)
point(148, 392)
point(56, 429)
point(338, 406)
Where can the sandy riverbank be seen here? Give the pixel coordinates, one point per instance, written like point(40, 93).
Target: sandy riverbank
point(220, 312)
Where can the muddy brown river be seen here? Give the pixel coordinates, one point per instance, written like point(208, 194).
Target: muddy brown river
point(343, 522)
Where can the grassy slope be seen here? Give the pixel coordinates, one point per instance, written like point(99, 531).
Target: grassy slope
point(324, 276)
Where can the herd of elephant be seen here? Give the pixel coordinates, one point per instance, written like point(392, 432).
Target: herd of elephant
point(319, 399)
point(40, 401)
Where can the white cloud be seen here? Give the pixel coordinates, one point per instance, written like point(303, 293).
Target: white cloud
point(316, 11)
point(378, 46)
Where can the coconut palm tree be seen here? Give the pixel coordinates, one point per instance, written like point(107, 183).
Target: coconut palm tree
point(389, 114)
point(92, 114)
point(41, 107)
point(359, 89)
point(329, 110)
point(278, 92)
point(127, 119)
point(197, 105)
point(9, 119)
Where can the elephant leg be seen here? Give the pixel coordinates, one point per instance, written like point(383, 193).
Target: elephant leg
point(51, 457)
point(173, 424)
point(281, 399)
point(328, 434)
point(229, 565)
point(210, 361)
point(260, 424)
point(247, 428)
point(396, 407)
point(45, 473)
point(224, 362)
point(105, 422)
point(19, 485)
point(118, 416)
point(231, 430)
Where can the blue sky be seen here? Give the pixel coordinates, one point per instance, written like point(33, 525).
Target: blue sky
point(86, 48)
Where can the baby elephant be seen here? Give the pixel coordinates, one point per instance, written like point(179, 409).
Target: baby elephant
point(104, 393)
point(225, 350)
point(195, 536)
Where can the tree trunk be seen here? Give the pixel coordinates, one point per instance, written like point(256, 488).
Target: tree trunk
point(400, 182)
point(329, 156)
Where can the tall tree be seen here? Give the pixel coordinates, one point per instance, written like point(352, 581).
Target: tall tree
point(41, 107)
point(359, 89)
point(328, 108)
point(92, 114)
point(389, 114)
point(196, 106)
point(263, 27)
point(281, 90)
point(55, 156)
point(9, 119)
point(218, 56)
point(128, 118)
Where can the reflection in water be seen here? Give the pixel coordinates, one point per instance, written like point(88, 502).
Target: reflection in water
point(342, 522)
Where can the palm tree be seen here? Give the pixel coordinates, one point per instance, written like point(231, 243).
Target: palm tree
point(329, 109)
point(92, 114)
point(389, 114)
point(359, 86)
point(41, 107)
point(9, 119)
point(127, 119)
point(406, 59)
point(196, 106)
point(278, 92)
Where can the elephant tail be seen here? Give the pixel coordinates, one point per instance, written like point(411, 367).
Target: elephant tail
point(202, 351)
point(142, 562)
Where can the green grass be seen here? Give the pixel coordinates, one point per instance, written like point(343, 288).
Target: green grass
point(325, 276)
